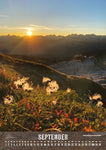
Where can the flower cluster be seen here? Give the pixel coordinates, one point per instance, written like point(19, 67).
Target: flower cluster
point(8, 99)
point(22, 83)
point(41, 114)
point(60, 111)
point(96, 97)
point(52, 87)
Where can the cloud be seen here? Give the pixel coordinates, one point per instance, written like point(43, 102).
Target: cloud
point(3, 16)
point(25, 28)
point(29, 27)
point(40, 27)
point(15, 28)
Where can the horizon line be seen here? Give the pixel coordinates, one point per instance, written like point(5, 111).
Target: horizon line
point(53, 34)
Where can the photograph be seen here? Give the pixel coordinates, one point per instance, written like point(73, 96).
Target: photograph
point(53, 74)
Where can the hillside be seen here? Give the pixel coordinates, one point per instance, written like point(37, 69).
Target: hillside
point(12, 69)
point(36, 71)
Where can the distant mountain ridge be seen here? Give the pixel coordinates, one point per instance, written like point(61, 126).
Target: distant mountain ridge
point(54, 46)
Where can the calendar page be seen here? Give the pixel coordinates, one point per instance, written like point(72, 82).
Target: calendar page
point(52, 74)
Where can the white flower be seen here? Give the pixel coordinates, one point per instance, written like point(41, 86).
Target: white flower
point(17, 83)
point(20, 82)
point(26, 87)
point(99, 104)
point(8, 99)
point(45, 79)
point(54, 102)
point(68, 90)
point(52, 87)
point(95, 97)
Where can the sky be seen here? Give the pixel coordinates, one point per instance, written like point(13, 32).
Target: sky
point(60, 17)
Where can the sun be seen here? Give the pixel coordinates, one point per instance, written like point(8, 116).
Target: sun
point(29, 32)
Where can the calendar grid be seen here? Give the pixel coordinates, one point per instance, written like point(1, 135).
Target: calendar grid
point(39, 140)
point(14, 143)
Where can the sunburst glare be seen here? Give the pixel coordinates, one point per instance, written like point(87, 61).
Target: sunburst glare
point(29, 32)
